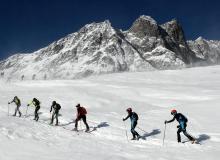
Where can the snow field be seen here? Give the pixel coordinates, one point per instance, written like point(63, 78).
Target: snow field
point(194, 92)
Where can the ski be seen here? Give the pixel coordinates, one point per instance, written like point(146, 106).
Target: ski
point(192, 142)
point(90, 131)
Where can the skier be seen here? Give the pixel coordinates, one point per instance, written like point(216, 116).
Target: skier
point(17, 101)
point(134, 119)
point(56, 108)
point(182, 125)
point(36, 104)
point(81, 114)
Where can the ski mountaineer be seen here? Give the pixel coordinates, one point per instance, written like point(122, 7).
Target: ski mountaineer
point(134, 119)
point(36, 103)
point(182, 125)
point(17, 101)
point(81, 114)
point(55, 107)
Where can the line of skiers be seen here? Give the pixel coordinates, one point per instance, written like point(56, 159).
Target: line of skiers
point(55, 108)
point(81, 114)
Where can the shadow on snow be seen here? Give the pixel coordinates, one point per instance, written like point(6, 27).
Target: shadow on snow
point(203, 137)
point(152, 133)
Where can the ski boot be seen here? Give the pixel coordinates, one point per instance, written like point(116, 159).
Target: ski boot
point(193, 141)
point(138, 137)
point(87, 130)
point(133, 138)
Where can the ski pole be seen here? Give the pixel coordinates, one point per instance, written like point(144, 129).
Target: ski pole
point(126, 133)
point(26, 112)
point(142, 129)
point(51, 115)
point(164, 133)
point(80, 125)
point(8, 109)
point(93, 122)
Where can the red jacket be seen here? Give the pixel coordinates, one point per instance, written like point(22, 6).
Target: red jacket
point(81, 111)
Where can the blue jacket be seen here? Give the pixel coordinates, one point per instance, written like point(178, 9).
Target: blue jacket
point(133, 116)
point(179, 117)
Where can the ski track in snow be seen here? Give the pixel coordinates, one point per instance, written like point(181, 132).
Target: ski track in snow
point(194, 92)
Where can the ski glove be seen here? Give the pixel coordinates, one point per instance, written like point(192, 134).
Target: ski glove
point(165, 122)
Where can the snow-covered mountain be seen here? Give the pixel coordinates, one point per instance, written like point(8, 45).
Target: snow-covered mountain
point(99, 48)
point(207, 50)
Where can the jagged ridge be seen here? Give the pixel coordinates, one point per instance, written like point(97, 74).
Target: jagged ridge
point(99, 48)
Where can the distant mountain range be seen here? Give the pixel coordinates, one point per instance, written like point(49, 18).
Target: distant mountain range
point(99, 48)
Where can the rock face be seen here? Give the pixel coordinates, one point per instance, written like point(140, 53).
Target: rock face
point(145, 26)
point(99, 48)
point(146, 36)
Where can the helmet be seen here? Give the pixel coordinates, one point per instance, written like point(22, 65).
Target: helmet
point(15, 97)
point(78, 105)
point(34, 99)
point(173, 111)
point(129, 110)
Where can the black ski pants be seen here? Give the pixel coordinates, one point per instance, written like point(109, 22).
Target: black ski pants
point(17, 109)
point(133, 125)
point(182, 128)
point(36, 116)
point(83, 117)
point(55, 115)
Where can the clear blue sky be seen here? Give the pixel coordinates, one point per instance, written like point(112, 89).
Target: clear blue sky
point(27, 25)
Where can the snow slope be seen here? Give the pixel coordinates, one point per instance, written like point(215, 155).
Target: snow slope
point(194, 92)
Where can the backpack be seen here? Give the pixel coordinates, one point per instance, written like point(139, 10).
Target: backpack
point(37, 102)
point(135, 116)
point(17, 101)
point(58, 107)
point(183, 118)
point(83, 111)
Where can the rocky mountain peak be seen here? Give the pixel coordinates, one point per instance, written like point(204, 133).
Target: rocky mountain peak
point(145, 26)
point(175, 31)
point(208, 50)
point(148, 18)
point(199, 39)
